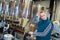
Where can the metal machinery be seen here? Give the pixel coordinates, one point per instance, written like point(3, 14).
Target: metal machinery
point(16, 13)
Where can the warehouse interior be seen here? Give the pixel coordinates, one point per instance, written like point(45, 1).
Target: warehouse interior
point(16, 15)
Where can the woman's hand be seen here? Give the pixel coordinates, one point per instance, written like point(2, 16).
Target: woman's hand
point(31, 33)
point(37, 14)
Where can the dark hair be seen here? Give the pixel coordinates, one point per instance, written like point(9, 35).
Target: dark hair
point(42, 8)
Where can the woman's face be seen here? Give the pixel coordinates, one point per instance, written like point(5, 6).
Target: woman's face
point(43, 16)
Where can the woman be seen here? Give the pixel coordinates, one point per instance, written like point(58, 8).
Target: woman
point(44, 26)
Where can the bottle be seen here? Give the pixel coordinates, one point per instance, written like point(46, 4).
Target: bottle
point(7, 8)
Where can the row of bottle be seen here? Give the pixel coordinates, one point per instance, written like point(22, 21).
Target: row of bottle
point(10, 8)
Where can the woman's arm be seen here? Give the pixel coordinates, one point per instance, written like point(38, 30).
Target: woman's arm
point(45, 32)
